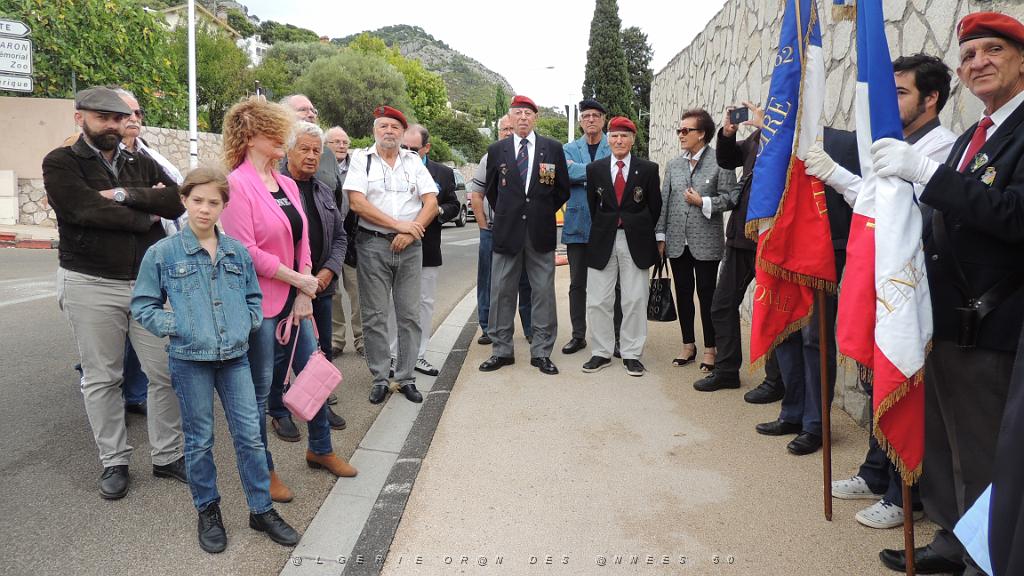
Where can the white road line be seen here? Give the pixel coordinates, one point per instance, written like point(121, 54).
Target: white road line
point(27, 299)
point(469, 242)
point(51, 278)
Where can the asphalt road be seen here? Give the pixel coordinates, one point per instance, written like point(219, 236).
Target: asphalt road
point(54, 521)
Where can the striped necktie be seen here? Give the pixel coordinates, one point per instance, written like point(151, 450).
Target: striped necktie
point(523, 160)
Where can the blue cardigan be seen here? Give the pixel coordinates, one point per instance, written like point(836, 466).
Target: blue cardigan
point(576, 226)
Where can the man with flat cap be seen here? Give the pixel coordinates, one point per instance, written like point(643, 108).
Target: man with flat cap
point(593, 145)
point(527, 182)
point(396, 199)
point(109, 203)
point(624, 200)
point(973, 241)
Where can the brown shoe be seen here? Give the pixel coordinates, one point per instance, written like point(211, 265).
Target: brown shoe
point(333, 464)
point(278, 491)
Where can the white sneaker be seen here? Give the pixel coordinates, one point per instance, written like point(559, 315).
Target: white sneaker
point(853, 489)
point(883, 515)
point(424, 367)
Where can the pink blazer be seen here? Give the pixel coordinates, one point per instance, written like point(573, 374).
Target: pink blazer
point(254, 219)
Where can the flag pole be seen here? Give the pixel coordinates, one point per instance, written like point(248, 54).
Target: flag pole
point(908, 528)
point(826, 416)
point(193, 131)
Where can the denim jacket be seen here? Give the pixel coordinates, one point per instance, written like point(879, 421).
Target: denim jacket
point(576, 220)
point(214, 304)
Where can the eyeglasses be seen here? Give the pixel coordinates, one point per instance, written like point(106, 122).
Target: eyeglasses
point(415, 149)
point(685, 131)
point(139, 112)
point(309, 109)
point(590, 116)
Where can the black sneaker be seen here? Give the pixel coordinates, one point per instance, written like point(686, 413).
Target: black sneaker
point(212, 537)
point(717, 381)
point(596, 363)
point(634, 367)
point(275, 527)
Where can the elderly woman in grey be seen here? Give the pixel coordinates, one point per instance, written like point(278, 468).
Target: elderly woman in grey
point(690, 232)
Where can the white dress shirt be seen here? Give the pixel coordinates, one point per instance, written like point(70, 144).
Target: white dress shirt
point(625, 167)
point(531, 151)
point(998, 117)
point(394, 190)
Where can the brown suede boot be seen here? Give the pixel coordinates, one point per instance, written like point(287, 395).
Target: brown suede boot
point(333, 464)
point(278, 491)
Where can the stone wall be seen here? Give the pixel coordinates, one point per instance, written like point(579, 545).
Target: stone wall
point(34, 206)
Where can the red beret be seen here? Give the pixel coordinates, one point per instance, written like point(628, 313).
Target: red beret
point(621, 124)
point(389, 112)
point(989, 24)
point(523, 102)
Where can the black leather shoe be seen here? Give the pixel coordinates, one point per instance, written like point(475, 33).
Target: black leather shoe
point(136, 408)
point(596, 363)
point(174, 470)
point(275, 527)
point(212, 537)
point(378, 393)
point(285, 429)
point(574, 346)
point(332, 399)
point(411, 393)
point(114, 482)
point(495, 362)
point(765, 393)
point(545, 364)
point(777, 428)
point(805, 443)
point(634, 367)
point(717, 381)
point(484, 340)
point(926, 561)
point(335, 420)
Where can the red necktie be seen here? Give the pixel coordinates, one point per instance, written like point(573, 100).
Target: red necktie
point(620, 183)
point(977, 141)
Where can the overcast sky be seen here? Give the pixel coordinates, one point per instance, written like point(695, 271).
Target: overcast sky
point(536, 33)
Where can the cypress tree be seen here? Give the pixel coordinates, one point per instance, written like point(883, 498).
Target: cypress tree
point(607, 77)
point(638, 61)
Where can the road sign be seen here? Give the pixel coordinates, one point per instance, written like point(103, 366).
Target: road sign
point(13, 28)
point(15, 83)
point(15, 55)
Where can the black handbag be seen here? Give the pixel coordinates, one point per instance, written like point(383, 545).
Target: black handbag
point(660, 306)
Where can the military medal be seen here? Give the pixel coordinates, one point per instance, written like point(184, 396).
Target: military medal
point(989, 176)
point(979, 161)
point(638, 194)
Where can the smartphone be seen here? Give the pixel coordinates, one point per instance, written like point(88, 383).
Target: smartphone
point(739, 115)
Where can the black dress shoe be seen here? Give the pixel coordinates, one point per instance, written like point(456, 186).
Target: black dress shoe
point(765, 393)
point(634, 367)
point(332, 399)
point(275, 527)
point(114, 482)
point(411, 393)
point(136, 408)
point(285, 429)
point(335, 420)
point(717, 381)
point(596, 363)
point(378, 393)
point(483, 340)
point(212, 537)
point(545, 364)
point(805, 443)
point(574, 346)
point(777, 428)
point(926, 561)
point(174, 470)
point(495, 362)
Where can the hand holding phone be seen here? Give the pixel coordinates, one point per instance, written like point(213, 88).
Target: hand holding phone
point(739, 115)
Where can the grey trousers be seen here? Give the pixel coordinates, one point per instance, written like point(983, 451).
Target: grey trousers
point(382, 273)
point(98, 310)
point(505, 271)
point(338, 318)
point(601, 304)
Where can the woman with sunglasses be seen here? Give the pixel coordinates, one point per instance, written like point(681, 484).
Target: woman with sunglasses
point(690, 231)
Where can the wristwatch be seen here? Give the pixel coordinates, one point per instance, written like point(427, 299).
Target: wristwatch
point(120, 195)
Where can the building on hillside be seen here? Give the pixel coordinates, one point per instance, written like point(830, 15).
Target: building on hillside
point(254, 47)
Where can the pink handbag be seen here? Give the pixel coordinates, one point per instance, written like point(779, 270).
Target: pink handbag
point(308, 391)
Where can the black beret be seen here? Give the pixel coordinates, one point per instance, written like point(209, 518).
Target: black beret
point(591, 104)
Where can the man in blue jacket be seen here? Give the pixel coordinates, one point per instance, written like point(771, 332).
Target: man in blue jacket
point(593, 145)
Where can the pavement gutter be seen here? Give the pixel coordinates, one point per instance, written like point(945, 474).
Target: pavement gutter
point(353, 530)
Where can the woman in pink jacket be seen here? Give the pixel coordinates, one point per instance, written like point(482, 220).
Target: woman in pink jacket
point(266, 216)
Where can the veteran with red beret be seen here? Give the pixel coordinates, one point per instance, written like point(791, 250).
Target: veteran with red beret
point(624, 196)
point(974, 242)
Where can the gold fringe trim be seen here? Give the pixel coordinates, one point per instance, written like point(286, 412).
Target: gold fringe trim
point(791, 329)
point(909, 476)
point(845, 12)
point(753, 228)
point(801, 279)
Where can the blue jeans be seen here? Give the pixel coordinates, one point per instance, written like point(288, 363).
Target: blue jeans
point(194, 383)
point(483, 286)
point(135, 382)
point(268, 361)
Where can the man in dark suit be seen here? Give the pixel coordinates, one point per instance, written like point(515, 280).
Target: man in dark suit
point(527, 182)
point(624, 197)
point(973, 242)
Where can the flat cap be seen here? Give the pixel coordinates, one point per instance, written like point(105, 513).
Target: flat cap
point(591, 104)
point(621, 124)
point(523, 102)
point(989, 24)
point(389, 112)
point(100, 99)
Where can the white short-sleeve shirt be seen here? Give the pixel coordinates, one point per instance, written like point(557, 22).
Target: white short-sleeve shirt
point(394, 190)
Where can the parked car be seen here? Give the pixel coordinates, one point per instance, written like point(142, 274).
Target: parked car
point(460, 191)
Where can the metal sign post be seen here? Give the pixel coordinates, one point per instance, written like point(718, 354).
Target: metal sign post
point(15, 56)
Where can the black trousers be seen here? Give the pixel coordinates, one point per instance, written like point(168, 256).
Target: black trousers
point(577, 256)
point(685, 269)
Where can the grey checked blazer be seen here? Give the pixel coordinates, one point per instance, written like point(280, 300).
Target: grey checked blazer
point(684, 224)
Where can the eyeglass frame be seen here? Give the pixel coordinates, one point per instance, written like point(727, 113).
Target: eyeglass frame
point(684, 131)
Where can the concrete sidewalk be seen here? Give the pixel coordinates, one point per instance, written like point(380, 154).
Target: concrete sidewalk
point(603, 473)
point(26, 236)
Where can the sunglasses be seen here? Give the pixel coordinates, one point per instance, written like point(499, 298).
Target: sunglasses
point(685, 131)
point(411, 148)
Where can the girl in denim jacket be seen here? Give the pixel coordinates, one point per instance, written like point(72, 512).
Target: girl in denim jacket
point(215, 302)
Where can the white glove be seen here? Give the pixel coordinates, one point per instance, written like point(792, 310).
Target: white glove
point(892, 157)
point(818, 163)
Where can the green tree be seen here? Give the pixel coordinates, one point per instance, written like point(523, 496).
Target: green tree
point(638, 61)
point(85, 43)
point(222, 75)
point(460, 134)
point(426, 90)
point(273, 32)
point(607, 77)
point(348, 86)
point(500, 109)
point(296, 57)
point(552, 124)
point(241, 24)
point(273, 78)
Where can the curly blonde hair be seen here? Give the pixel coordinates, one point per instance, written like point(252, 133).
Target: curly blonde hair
point(249, 118)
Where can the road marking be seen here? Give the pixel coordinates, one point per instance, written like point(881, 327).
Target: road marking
point(24, 290)
point(50, 278)
point(469, 242)
point(27, 299)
